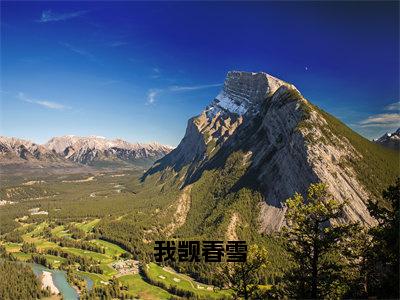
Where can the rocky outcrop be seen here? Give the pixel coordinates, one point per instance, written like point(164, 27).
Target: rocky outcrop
point(182, 209)
point(287, 145)
point(243, 93)
point(231, 234)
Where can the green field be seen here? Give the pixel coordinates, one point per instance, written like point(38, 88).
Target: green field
point(22, 256)
point(55, 261)
point(141, 289)
point(89, 254)
point(110, 248)
point(12, 247)
point(171, 278)
point(88, 225)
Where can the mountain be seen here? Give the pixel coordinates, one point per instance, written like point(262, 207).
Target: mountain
point(390, 140)
point(256, 144)
point(95, 150)
point(18, 156)
point(17, 150)
point(74, 151)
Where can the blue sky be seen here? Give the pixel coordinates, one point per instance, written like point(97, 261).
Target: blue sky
point(138, 70)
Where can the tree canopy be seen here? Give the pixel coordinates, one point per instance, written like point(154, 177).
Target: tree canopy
point(317, 243)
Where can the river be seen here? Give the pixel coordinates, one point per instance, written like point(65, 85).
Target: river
point(60, 281)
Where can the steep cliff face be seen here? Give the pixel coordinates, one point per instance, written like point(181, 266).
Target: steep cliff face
point(290, 150)
point(286, 144)
point(243, 94)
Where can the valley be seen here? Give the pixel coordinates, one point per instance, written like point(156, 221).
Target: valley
point(58, 222)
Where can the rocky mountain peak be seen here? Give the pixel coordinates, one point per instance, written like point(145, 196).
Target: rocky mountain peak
point(14, 148)
point(281, 142)
point(390, 140)
point(243, 92)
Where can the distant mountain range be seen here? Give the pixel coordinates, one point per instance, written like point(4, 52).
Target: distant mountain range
point(390, 140)
point(260, 135)
point(70, 150)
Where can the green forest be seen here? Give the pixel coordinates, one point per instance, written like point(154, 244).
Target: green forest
point(87, 236)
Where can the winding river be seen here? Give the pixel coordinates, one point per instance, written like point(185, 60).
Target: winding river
point(60, 281)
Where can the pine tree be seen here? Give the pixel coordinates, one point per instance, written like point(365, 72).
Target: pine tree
point(317, 244)
point(383, 277)
point(243, 277)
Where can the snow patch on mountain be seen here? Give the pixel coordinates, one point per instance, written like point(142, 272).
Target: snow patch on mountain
point(390, 140)
point(243, 92)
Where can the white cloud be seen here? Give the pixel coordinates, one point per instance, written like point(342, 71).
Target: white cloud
point(49, 16)
point(79, 51)
point(382, 120)
point(153, 93)
point(393, 106)
point(389, 119)
point(151, 96)
point(177, 88)
point(156, 73)
point(44, 103)
point(118, 44)
point(381, 126)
